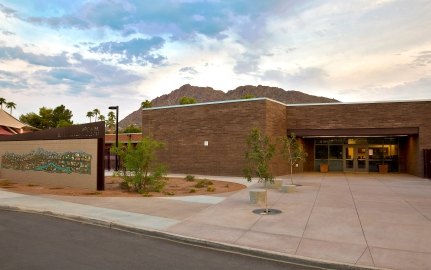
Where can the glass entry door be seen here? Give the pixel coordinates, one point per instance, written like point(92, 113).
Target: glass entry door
point(355, 158)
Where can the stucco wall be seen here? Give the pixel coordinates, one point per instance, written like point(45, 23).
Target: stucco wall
point(371, 115)
point(88, 179)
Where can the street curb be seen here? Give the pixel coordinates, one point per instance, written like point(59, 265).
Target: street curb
point(224, 247)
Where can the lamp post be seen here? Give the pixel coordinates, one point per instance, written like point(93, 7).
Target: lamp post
point(116, 134)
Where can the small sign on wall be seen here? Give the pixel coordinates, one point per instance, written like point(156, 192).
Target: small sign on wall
point(205, 143)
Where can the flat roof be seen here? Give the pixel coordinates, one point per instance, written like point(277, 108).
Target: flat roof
point(288, 105)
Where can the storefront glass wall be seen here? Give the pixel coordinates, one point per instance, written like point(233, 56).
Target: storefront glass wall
point(357, 154)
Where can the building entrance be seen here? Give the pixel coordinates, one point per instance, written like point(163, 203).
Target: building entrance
point(355, 158)
point(356, 154)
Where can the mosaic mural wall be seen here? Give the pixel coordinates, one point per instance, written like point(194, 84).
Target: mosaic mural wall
point(47, 161)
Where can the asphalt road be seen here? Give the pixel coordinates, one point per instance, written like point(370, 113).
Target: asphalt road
point(32, 241)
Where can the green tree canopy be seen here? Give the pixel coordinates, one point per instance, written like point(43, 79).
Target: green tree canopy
point(2, 101)
point(132, 128)
point(187, 100)
point(248, 96)
point(48, 118)
point(146, 104)
point(141, 171)
point(11, 105)
point(258, 154)
point(90, 114)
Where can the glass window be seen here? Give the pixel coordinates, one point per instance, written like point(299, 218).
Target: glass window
point(321, 141)
point(321, 152)
point(335, 152)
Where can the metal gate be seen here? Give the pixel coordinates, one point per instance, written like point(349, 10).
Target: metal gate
point(427, 163)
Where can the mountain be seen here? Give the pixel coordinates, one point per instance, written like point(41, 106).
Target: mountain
point(207, 94)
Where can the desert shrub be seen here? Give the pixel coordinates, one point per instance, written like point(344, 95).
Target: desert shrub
point(211, 189)
point(203, 183)
point(190, 178)
point(169, 193)
point(192, 190)
point(141, 172)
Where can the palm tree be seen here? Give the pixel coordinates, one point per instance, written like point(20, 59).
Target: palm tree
point(90, 114)
point(96, 112)
point(11, 105)
point(102, 117)
point(2, 101)
point(110, 123)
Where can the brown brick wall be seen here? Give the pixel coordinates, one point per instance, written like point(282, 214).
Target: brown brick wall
point(185, 128)
point(276, 127)
point(371, 115)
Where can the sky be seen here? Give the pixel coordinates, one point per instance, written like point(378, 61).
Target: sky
point(96, 54)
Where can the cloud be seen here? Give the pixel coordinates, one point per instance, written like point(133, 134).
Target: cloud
point(13, 85)
point(423, 59)
point(12, 53)
point(106, 75)
point(67, 76)
point(8, 12)
point(180, 19)
point(189, 70)
point(408, 90)
point(12, 80)
point(303, 77)
point(137, 50)
point(62, 22)
point(247, 63)
point(7, 33)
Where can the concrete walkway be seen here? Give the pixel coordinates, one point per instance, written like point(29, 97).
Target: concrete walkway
point(369, 220)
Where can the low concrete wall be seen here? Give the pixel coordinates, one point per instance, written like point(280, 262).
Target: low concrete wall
point(54, 163)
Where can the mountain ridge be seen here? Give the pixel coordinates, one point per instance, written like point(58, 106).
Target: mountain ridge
point(208, 94)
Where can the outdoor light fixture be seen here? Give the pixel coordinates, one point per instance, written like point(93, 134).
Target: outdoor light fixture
point(116, 134)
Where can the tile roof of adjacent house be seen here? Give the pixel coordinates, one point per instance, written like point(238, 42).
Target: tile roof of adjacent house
point(8, 121)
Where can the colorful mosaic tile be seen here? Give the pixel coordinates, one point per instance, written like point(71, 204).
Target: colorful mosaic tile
point(46, 161)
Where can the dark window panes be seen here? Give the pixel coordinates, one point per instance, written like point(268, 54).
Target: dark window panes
point(337, 141)
point(335, 152)
point(321, 152)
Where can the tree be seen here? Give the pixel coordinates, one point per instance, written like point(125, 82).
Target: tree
point(141, 171)
point(258, 155)
point(2, 101)
point(62, 116)
point(292, 151)
point(48, 118)
point(248, 96)
point(102, 117)
point(110, 123)
point(146, 104)
point(90, 114)
point(187, 100)
point(132, 128)
point(96, 112)
point(10, 105)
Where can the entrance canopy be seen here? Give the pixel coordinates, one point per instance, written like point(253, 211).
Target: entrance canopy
point(354, 132)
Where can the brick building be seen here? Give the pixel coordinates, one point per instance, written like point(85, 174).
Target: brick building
point(209, 138)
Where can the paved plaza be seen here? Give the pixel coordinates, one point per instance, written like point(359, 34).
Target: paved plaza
point(369, 220)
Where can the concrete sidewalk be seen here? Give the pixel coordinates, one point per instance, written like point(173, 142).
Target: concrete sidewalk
point(369, 220)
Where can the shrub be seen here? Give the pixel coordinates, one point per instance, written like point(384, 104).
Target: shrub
point(141, 172)
point(211, 189)
point(192, 190)
point(169, 193)
point(190, 178)
point(203, 183)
